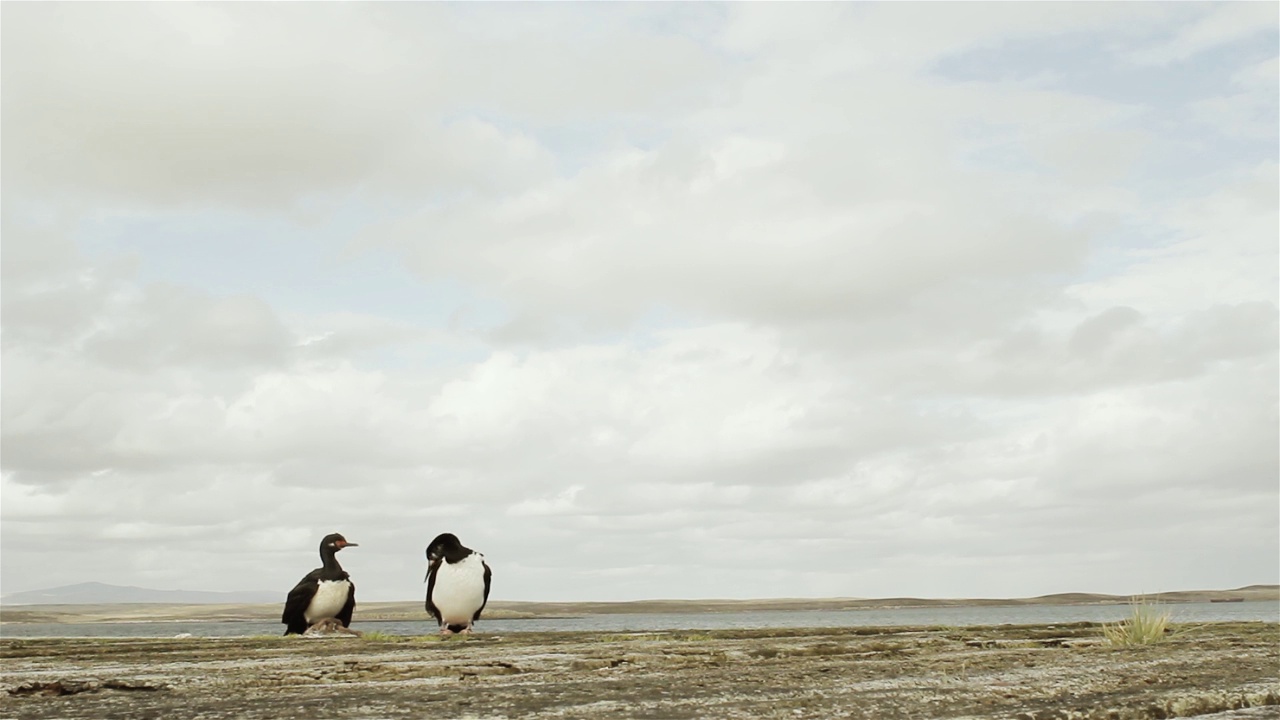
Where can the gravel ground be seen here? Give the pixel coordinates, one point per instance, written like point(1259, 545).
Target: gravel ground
point(1229, 671)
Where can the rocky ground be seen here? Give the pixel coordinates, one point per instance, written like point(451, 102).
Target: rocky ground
point(1033, 672)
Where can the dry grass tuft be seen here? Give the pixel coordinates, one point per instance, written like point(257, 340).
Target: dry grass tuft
point(1146, 624)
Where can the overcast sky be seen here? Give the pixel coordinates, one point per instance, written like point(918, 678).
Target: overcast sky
point(643, 300)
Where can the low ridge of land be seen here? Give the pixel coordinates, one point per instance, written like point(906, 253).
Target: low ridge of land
point(505, 609)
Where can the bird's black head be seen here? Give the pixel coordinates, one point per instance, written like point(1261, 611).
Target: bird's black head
point(335, 542)
point(446, 545)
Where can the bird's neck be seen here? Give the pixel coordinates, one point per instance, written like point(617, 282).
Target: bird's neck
point(330, 558)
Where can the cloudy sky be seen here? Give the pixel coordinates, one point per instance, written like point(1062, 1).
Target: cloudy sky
point(643, 300)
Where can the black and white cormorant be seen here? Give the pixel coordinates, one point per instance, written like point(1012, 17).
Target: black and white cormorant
point(326, 592)
point(458, 581)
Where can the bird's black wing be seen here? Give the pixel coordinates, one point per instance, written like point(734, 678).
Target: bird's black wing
point(345, 613)
point(295, 605)
point(431, 585)
point(488, 576)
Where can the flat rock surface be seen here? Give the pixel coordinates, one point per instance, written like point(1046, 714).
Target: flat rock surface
point(1222, 670)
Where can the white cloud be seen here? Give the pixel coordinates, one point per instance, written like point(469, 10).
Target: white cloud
point(723, 301)
point(561, 504)
point(255, 108)
point(1217, 26)
point(1223, 251)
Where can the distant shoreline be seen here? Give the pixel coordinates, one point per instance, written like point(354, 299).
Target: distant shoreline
point(513, 610)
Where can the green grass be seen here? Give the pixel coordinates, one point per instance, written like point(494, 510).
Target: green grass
point(1146, 624)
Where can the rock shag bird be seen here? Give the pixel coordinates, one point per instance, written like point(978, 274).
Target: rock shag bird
point(457, 584)
point(325, 593)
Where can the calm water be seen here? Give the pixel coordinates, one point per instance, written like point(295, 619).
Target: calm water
point(1018, 615)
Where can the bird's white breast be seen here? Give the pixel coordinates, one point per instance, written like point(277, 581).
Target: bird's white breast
point(328, 600)
point(459, 589)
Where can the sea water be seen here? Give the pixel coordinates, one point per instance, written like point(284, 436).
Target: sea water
point(1191, 613)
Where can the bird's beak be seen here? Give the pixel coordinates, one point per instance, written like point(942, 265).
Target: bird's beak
point(349, 544)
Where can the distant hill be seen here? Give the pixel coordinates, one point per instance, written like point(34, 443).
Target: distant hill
point(99, 602)
point(95, 593)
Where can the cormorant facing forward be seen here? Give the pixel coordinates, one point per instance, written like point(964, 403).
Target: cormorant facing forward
point(457, 584)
